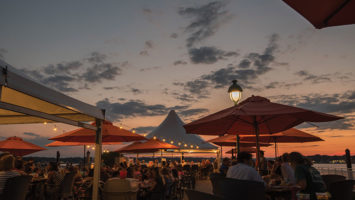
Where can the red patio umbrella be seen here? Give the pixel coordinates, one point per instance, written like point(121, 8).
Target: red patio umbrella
point(291, 135)
point(149, 146)
point(245, 149)
point(61, 144)
point(255, 115)
point(110, 133)
point(325, 13)
point(229, 140)
point(18, 147)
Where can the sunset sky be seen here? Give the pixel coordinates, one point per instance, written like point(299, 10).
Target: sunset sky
point(140, 59)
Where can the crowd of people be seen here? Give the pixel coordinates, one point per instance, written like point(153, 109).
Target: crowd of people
point(290, 169)
point(156, 180)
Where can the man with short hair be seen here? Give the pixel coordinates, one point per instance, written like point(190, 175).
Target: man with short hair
point(243, 170)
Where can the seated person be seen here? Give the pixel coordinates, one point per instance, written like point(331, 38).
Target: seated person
point(288, 174)
point(7, 165)
point(225, 165)
point(307, 178)
point(243, 170)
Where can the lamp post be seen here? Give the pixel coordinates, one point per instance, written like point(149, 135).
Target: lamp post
point(235, 94)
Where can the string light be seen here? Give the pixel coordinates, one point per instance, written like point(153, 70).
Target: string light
point(93, 148)
point(55, 128)
point(154, 137)
point(88, 146)
point(163, 140)
point(185, 145)
point(197, 147)
point(192, 146)
point(45, 123)
point(133, 131)
point(171, 142)
point(179, 143)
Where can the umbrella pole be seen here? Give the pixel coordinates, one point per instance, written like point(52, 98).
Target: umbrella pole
point(137, 158)
point(84, 163)
point(256, 127)
point(161, 155)
point(98, 145)
point(237, 146)
point(275, 149)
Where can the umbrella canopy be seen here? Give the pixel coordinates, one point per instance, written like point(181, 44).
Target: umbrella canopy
point(244, 149)
point(18, 147)
point(229, 140)
point(255, 112)
point(325, 13)
point(110, 133)
point(291, 135)
point(150, 145)
point(253, 116)
point(61, 144)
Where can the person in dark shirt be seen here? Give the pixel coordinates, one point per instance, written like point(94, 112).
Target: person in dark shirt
point(303, 175)
point(226, 163)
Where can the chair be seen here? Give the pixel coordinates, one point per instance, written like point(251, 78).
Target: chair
point(66, 187)
point(331, 178)
point(16, 188)
point(342, 190)
point(230, 188)
point(215, 188)
point(197, 195)
point(119, 189)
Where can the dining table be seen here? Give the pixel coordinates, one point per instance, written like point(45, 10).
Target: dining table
point(286, 192)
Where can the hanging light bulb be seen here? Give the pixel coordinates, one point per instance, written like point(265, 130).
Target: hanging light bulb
point(197, 147)
point(171, 142)
point(163, 140)
point(93, 148)
point(154, 137)
point(88, 146)
point(45, 123)
point(179, 143)
point(185, 145)
point(55, 128)
point(192, 146)
point(133, 131)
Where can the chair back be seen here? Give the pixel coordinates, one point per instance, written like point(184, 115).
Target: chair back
point(66, 187)
point(342, 190)
point(16, 188)
point(230, 188)
point(331, 178)
point(118, 189)
point(216, 189)
point(197, 195)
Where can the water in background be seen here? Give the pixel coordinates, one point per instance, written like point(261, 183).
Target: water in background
point(339, 169)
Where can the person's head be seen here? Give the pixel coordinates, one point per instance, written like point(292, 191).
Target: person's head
point(244, 157)
point(285, 157)
point(19, 164)
point(52, 166)
point(226, 161)
point(262, 154)
point(7, 162)
point(296, 158)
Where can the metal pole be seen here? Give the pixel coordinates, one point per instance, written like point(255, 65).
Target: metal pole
point(256, 127)
point(238, 146)
point(98, 146)
point(275, 149)
point(84, 163)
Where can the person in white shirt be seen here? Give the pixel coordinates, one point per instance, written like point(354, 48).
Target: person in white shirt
point(288, 174)
point(7, 164)
point(243, 170)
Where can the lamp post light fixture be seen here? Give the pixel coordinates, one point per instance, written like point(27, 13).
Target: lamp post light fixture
point(235, 92)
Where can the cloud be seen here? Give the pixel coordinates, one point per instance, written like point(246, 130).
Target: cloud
point(205, 21)
point(137, 108)
point(337, 104)
point(136, 91)
point(146, 11)
point(313, 78)
point(2, 53)
point(251, 67)
point(174, 35)
point(209, 55)
point(277, 84)
point(147, 45)
point(67, 76)
point(180, 62)
point(36, 139)
point(190, 112)
point(144, 129)
point(149, 68)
